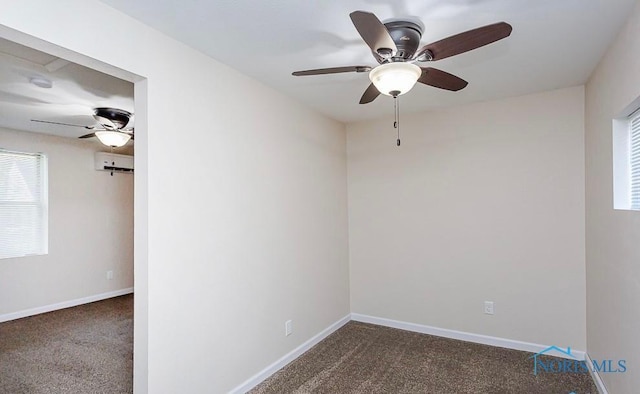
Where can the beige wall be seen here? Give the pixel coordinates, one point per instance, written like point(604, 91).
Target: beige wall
point(246, 210)
point(90, 229)
point(481, 202)
point(247, 214)
point(613, 236)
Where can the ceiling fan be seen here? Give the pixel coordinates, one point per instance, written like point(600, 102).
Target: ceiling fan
point(394, 45)
point(110, 129)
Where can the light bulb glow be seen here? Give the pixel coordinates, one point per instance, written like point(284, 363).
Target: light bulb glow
point(115, 139)
point(398, 77)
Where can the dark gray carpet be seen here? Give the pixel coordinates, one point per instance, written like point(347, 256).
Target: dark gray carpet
point(364, 358)
point(84, 349)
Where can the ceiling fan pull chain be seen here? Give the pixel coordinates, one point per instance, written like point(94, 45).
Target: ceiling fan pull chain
point(112, 163)
point(396, 123)
point(395, 113)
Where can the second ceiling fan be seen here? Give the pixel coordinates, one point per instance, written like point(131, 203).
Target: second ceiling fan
point(394, 45)
point(110, 129)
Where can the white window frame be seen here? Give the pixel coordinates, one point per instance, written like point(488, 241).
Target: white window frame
point(43, 205)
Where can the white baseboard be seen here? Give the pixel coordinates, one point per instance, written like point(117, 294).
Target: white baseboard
point(63, 305)
point(441, 332)
point(460, 335)
point(289, 357)
point(595, 376)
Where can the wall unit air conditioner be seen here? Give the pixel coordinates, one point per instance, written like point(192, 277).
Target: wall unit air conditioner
point(112, 162)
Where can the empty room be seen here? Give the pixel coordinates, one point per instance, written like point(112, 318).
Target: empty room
point(67, 225)
point(330, 197)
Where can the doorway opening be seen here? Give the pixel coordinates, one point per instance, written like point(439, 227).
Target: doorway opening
point(97, 218)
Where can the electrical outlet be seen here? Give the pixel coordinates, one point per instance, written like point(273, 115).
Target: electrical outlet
point(288, 327)
point(488, 307)
point(109, 275)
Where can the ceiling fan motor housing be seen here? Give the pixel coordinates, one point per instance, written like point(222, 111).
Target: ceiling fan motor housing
point(406, 36)
point(118, 117)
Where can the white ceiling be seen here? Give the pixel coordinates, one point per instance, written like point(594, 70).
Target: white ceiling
point(75, 92)
point(554, 44)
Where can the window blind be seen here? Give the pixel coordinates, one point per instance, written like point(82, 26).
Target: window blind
point(635, 159)
point(23, 204)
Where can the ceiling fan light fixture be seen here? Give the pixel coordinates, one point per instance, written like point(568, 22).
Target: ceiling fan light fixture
point(397, 77)
point(114, 139)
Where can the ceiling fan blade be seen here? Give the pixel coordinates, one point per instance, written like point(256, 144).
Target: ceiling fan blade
point(128, 131)
point(334, 70)
point(105, 122)
point(465, 42)
point(62, 124)
point(370, 94)
point(374, 33)
point(441, 79)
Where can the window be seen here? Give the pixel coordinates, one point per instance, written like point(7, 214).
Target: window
point(634, 157)
point(626, 158)
point(23, 204)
